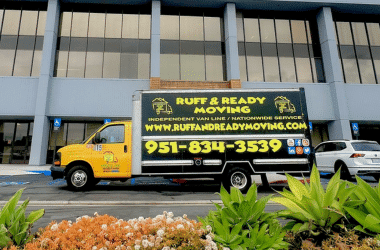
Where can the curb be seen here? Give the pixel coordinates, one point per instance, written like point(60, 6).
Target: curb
point(121, 203)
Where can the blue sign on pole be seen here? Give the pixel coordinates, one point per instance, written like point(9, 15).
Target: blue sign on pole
point(311, 127)
point(57, 123)
point(107, 121)
point(355, 128)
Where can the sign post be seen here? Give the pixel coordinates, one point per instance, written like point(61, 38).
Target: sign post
point(57, 125)
point(311, 127)
point(355, 129)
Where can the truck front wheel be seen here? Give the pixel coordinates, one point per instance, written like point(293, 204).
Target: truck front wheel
point(238, 178)
point(79, 178)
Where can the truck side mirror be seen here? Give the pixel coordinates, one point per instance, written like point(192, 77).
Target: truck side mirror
point(96, 138)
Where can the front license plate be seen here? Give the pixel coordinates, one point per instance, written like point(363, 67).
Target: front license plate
point(375, 160)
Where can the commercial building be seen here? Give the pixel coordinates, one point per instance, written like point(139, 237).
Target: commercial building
point(82, 60)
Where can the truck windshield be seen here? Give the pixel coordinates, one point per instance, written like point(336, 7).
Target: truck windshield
point(366, 146)
point(90, 135)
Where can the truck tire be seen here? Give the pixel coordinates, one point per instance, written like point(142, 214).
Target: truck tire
point(79, 178)
point(239, 178)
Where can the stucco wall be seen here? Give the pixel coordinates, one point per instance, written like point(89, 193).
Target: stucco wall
point(93, 97)
point(18, 96)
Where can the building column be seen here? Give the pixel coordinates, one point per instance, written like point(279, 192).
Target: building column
point(340, 127)
point(40, 137)
point(231, 44)
point(155, 46)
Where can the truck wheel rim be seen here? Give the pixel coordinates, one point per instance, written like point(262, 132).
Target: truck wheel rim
point(79, 178)
point(238, 180)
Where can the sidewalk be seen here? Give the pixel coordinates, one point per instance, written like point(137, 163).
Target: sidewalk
point(23, 169)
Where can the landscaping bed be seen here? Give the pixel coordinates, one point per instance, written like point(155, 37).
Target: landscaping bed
point(342, 216)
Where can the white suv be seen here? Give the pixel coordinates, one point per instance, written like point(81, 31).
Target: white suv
point(354, 157)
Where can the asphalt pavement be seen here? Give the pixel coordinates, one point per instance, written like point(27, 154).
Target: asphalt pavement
point(144, 196)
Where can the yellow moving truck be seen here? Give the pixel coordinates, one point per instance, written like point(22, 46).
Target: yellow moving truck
point(227, 135)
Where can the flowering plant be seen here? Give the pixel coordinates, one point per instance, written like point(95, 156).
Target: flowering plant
point(105, 232)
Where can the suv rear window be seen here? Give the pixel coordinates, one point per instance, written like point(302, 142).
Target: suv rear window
point(366, 146)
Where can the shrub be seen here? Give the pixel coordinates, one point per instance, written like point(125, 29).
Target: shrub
point(14, 227)
point(107, 232)
point(367, 213)
point(242, 222)
point(314, 212)
point(344, 240)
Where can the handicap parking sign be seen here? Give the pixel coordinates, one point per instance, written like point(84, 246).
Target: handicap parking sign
point(355, 128)
point(57, 124)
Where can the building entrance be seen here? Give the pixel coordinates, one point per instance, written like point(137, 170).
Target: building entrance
point(369, 132)
point(15, 142)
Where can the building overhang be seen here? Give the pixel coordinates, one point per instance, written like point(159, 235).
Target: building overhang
point(342, 6)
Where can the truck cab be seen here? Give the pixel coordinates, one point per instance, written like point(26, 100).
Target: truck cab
point(106, 154)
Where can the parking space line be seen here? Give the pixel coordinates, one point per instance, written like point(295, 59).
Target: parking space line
point(13, 183)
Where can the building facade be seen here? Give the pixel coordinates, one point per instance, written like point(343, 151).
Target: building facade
point(82, 61)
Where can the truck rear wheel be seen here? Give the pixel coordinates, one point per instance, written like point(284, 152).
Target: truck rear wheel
point(239, 178)
point(79, 178)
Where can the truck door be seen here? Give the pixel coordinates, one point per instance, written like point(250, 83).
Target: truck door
point(112, 155)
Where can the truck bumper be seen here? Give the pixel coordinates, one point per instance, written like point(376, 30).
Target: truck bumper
point(57, 172)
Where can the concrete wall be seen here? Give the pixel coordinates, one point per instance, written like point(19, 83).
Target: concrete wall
point(109, 98)
point(349, 6)
point(17, 97)
point(318, 98)
point(363, 101)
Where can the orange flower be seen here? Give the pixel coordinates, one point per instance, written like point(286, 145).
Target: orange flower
point(107, 232)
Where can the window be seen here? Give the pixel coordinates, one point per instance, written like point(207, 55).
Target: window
point(319, 134)
point(330, 147)
point(112, 134)
point(274, 48)
point(366, 146)
point(21, 40)
point(111, 42)
point(192, 45)
point(359, 49)
point(340, 146)
point(15, 141)
point(320, 149)
point(69, 133)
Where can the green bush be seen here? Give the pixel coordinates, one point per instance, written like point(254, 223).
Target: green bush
point(366, 214)
point(242, 222)
point(14, 227)
point(312, 211)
